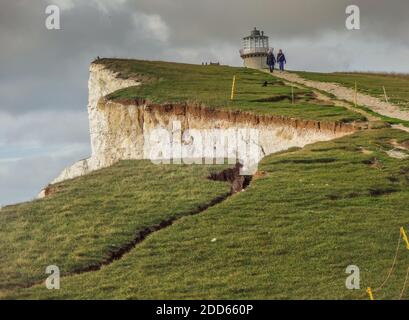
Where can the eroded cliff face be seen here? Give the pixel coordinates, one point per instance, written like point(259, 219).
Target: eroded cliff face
point(127, 129)
point(101, 83)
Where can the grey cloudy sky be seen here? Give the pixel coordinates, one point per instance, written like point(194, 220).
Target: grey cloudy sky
point(43, 73)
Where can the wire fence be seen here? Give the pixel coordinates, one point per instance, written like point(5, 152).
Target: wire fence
point(402, 235)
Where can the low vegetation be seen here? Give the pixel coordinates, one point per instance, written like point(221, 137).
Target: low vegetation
point(85, 221)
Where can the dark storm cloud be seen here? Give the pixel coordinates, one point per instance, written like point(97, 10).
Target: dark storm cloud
point(43, 74)
point(197, 21)
point(52, 65)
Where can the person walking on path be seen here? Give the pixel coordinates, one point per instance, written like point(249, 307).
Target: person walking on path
point(281, 60)
point(271, 60)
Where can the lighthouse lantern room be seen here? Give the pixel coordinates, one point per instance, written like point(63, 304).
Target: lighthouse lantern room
point(255, 50)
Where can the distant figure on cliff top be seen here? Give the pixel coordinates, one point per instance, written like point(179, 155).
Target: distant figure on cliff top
point(281, 60)
point(271, 60)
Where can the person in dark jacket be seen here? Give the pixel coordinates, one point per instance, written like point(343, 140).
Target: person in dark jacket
point(281, 60)
point(271, 60)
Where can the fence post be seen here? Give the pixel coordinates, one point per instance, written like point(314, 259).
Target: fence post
point(386, 96)
point(232, 88)
point(404, 236)
point(369, 291)
point(292, 94)
point(356, 95)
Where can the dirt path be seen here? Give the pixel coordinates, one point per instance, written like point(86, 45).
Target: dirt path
point(343, 93)
point(400, 127)
point(328, 99)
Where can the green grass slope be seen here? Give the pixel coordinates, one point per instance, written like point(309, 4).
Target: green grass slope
point(290, 235)
point(88, 218)
point(211, 85)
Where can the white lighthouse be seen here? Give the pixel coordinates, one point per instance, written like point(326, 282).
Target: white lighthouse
point(255, 50)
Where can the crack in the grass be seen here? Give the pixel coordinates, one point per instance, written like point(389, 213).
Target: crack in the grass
point(141, 236)
point(232, 175)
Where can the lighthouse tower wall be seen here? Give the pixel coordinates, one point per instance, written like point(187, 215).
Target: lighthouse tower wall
point(256, 62)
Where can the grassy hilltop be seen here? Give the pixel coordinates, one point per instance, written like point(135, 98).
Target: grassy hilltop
point(211, 85)
point(307, 214)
